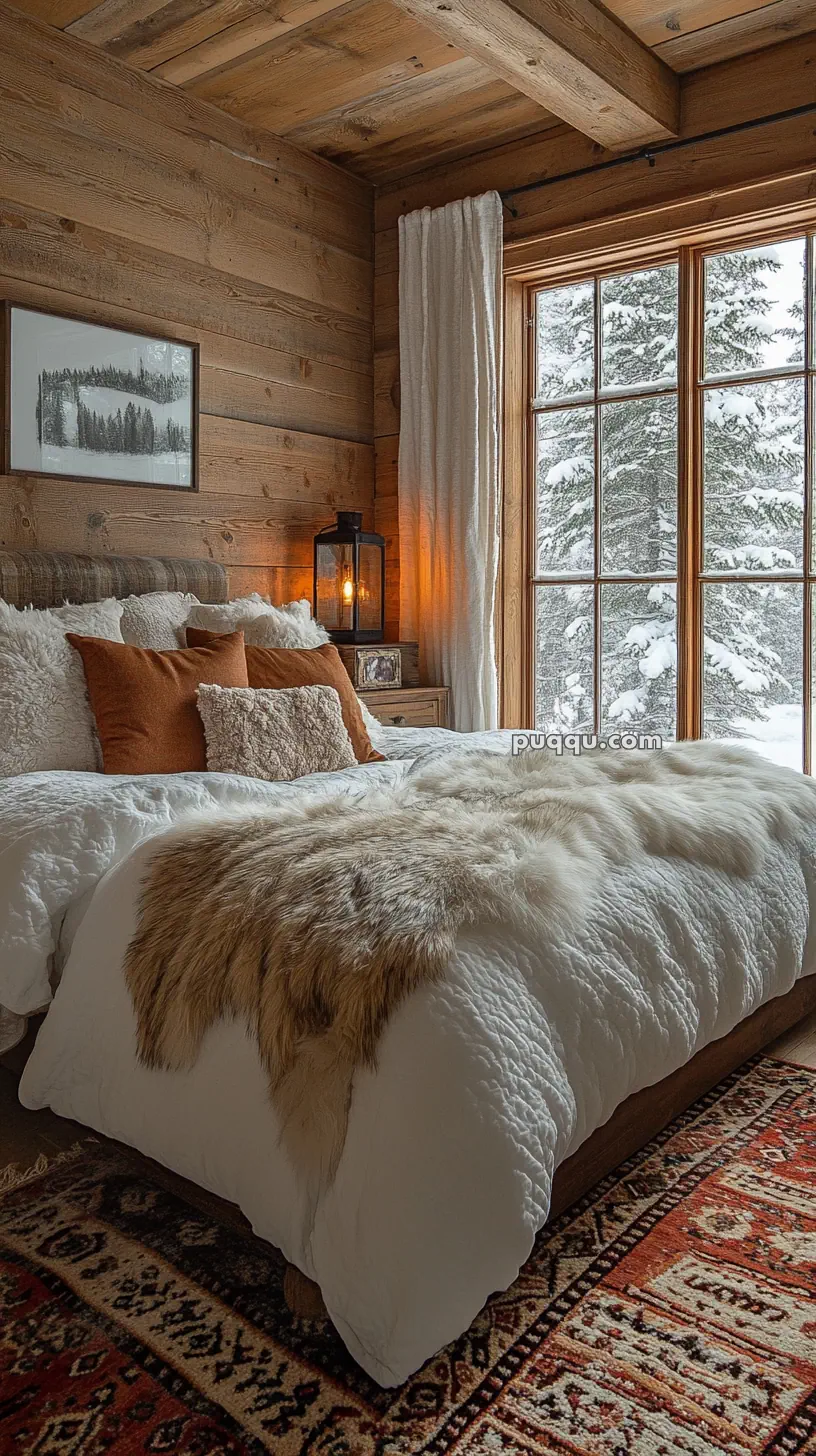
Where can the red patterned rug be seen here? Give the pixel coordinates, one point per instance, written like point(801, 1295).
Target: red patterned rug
point(671, 1313)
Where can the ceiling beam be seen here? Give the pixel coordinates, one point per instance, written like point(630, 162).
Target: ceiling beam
point(571, 57)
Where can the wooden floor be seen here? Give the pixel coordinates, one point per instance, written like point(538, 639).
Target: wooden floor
point(798, 1044)
point(25, 1135)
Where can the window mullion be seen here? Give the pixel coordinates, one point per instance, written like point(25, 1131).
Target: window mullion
point(689, 476)
point(530, 533)
point(810, 470)
point(597, 524)
point(695, 467)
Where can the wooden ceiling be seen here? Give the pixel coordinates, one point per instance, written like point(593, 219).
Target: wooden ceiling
point(375, 87)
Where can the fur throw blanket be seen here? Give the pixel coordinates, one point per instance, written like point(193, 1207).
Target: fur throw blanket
point(315, 920)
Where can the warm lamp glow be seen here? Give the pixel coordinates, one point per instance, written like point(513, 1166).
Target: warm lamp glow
point(348, 590)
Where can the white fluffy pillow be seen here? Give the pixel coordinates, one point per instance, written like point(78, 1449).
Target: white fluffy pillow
point(274, 733)
point(262, 624)
point(266, 626)
point(372, 724)
point(228, 616)
point(44, 709)
point(157, 620)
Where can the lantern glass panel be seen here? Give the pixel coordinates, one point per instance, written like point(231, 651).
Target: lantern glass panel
point(335, 586)
point(369, 589)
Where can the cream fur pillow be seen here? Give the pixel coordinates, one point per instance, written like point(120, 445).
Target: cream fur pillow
point(262, 624)
point(44, 710)
point(157, 619)
point(274, 733)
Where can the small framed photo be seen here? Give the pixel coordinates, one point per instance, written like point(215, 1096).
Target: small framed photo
point(94, 403)
point(378, 667)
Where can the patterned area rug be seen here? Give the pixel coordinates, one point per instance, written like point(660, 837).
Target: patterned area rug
point(672, 1311)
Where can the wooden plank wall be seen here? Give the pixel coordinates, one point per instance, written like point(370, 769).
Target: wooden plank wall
point(125, 199)
point(733, 173)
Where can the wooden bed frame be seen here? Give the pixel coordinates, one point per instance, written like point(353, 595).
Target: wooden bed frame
point(637, 1120)
point(646, 1113)
point(48, 578)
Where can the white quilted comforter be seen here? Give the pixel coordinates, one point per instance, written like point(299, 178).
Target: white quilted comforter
point(485, 1083)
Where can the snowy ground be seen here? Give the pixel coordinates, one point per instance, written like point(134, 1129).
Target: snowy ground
point(165, 469)
point(778, 736)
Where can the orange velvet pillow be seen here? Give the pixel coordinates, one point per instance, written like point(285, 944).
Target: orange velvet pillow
point(302, 667)
point(144, 702)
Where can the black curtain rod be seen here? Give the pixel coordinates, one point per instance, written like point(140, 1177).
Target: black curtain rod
point(649, 154)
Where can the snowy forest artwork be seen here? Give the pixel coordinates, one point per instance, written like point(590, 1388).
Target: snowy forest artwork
point(88, 401)
point(608, 407)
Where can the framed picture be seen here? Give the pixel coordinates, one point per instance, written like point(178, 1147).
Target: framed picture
point(378, 667)
point(95, 403)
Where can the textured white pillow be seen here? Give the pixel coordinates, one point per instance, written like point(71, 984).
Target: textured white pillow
point(44, 710)
point(262, 624)
point(274, 733)
point(157, 620)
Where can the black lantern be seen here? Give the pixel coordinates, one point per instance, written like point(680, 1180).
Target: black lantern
point(349, 580)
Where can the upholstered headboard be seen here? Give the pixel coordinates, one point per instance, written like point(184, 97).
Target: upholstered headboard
point(49, 578)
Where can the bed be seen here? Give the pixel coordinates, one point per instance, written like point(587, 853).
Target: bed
point(467, 1136)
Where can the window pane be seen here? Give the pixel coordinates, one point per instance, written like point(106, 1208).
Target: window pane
point(755, 309)
point(812, 680)
point(639, 485)
point(752, 685)
point(565, 474)
point(639, 328)
point(811, 385)
point(564, 655)
point(565, 341)
point(638, 658)
point(812, 246)
point(754, 442)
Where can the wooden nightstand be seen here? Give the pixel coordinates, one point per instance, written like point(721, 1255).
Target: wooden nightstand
point(409, 707)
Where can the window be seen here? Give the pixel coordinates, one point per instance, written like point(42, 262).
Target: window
point(671, 576)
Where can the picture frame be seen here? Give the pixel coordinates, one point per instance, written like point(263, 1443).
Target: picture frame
point(377, 668)
point(87, 401)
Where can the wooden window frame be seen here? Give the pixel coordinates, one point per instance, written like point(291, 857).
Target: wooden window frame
point(689, 247)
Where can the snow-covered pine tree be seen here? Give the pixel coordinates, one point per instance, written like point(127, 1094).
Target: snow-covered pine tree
point(754, 469)
point(51, 423)
point(638, 453)
point(753, 475)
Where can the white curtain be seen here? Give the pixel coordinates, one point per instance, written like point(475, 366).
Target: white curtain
point(450, 380)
